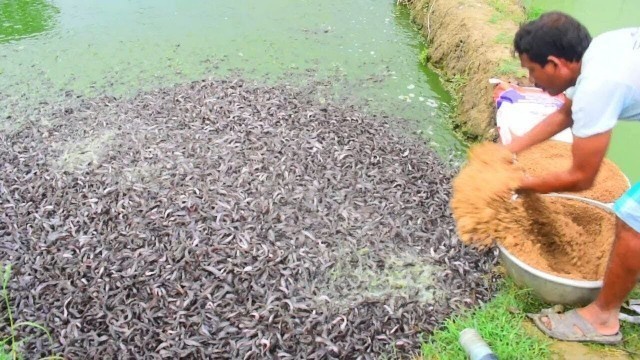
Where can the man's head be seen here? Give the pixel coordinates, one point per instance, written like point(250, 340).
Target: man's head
point(551, 48)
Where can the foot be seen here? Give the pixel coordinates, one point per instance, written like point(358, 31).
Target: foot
point(572, 326)
point(605, 322)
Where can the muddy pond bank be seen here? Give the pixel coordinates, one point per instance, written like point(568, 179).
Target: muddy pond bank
point(470, 42)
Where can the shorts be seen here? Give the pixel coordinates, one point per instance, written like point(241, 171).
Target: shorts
point(628, 207)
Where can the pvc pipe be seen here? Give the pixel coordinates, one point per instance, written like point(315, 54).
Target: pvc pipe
point(474, 346)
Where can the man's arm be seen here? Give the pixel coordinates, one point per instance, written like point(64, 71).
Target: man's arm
point(588, 154)
point(551, 125)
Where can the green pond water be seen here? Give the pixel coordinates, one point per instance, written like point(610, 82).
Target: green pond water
point(600, 16)
point(367, 50)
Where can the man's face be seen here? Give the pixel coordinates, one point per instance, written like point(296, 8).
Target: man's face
point(549, 77)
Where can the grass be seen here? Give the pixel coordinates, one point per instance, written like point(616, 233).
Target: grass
point(504, 39)
point(499, 322)
point(511, 66)
point(10, 346)
point(630, 333)
point(503, 12)
point(495, 18)
point(500, 6)
point(533, 12)
point(424, 56)
point(453, 84)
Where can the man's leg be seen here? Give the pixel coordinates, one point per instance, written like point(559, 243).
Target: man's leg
point(619, 279)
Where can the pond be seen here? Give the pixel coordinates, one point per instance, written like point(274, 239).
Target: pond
point(367, 50)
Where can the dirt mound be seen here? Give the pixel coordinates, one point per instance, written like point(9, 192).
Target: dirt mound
point(551, 156)
point(470, 41)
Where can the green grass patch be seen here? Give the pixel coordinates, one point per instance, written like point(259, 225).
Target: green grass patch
point(10, 346)
point(511, 67)
point(453, 84)
point(504, 38)
point(495, 18)
point(499, 322)
point(630, 333)
point(500, 6)
point(424, 56)
point(631, 336)
point(503, 12)
point(533, 12)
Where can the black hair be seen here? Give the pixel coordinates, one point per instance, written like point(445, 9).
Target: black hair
point(552, 34)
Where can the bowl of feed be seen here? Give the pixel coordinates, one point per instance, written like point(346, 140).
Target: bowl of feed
point(562, 250)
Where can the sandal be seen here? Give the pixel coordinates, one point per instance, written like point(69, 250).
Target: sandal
point(563, 327)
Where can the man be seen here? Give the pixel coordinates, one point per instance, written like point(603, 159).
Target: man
point(601, 78)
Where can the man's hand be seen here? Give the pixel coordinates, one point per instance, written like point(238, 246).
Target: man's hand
point(588, 154)
point(551, 125)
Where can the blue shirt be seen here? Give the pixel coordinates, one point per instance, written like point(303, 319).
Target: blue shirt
point(608, 88)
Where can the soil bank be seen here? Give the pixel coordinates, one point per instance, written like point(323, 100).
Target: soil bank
point(470, 42)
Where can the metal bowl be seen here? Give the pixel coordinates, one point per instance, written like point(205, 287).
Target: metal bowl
point(552, 288)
